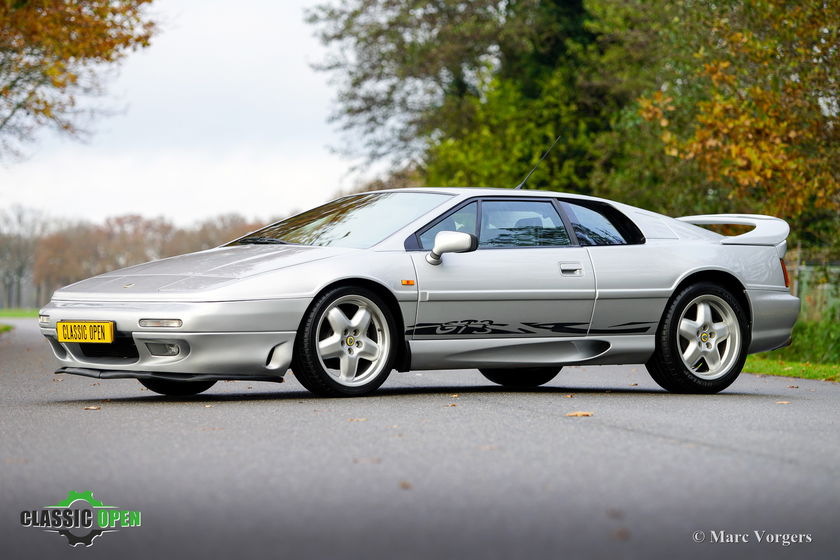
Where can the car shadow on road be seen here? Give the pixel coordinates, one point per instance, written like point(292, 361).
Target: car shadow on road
point(393, 392)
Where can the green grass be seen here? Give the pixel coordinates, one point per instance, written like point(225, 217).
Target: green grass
point(816, 342)
point(18, 313)
point(5, 328)
point(807, 370)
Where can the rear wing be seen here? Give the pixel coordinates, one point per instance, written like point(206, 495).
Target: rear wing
point(768, 230)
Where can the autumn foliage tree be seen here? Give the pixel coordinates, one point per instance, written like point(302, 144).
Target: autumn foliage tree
point(53, 53)
point(767, 121)
point(77, 250)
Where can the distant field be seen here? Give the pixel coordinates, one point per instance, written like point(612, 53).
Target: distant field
point(18, 313)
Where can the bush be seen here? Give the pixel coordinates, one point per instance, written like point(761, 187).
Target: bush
point(813, 341)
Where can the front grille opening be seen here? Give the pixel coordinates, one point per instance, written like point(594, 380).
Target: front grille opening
point(123, 347)
point(58, 349)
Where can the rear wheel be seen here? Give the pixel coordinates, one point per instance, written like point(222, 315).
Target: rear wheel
point(346, 344)
point(176, 388)
point(521, 378)
point(701, 345)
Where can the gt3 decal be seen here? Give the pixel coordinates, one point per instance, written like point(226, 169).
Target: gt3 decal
point(466, 327)
point(471, 327)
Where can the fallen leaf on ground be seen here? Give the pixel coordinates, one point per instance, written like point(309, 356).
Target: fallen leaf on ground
point(57, 379)
point(621, 534)
point(634, 384)
point(367, 460)
point(793, 386)
point(568, 396)
point(208, 406)
point(578, 413)
point(782, 402)
point(455, 395)
point(406, 485)
point(92, 408)
point(357, 419)
point(453, 404)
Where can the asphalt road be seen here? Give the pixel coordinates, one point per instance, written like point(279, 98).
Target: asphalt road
point(435, 465)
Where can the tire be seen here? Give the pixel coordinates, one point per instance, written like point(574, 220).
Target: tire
point(176, 388)
point(521, 378)
point(346, 344)
point(702, 341)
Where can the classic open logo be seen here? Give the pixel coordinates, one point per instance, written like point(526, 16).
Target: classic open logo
point(80, 518)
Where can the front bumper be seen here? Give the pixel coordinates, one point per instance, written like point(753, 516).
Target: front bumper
point(218, 340)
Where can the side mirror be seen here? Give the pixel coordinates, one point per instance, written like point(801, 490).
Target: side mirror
point(451, 242)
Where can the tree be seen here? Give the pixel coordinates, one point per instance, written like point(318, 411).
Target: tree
point(78, 250)
point(509, 134)
point(20, 231)
point(766, 123)
point(71, 253)
point(54, 52)
point(409, 72)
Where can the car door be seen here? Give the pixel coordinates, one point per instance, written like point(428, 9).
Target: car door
point(633, 287)
point(526, 279)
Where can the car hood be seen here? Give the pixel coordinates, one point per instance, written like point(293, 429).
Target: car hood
point(193, 272)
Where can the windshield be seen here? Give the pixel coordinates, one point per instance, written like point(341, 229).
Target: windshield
point(358, 221)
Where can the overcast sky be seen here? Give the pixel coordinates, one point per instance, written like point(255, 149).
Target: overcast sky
point(222, 113)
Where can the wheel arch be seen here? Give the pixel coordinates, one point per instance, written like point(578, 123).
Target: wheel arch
point(722, 278)
point(403, 358)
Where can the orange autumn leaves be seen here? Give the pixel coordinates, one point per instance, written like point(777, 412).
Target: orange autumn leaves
point(53, 51)
point(766, 124)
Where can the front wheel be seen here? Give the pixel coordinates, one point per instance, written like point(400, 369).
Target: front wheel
point(702, 342)
point(521, 378)
point(346, 344)
point(176, 388)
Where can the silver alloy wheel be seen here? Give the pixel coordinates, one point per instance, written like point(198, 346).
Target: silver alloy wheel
point(709, 337)
point(353, 340)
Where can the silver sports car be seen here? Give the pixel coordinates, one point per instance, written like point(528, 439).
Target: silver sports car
point(515, 283)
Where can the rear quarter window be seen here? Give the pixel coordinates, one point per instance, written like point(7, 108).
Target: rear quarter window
point(596, 223)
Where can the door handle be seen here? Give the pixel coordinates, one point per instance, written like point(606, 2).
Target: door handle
point(571, 269)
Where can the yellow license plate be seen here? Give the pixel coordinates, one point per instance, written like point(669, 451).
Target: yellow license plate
point(96, 332)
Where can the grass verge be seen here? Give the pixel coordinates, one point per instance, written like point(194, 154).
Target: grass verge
point(807, 370)
point(5, 328)
point(18, 313)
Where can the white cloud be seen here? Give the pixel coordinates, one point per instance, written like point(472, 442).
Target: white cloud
point(183, 186)
point(223, 113)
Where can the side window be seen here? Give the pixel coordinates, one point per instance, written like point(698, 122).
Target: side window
point(592, 227)
point(461, 220)
point(521, 223)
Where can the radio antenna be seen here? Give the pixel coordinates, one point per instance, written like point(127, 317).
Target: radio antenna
point(528, 176)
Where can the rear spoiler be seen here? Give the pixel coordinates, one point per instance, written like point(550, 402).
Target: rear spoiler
point(768, 230)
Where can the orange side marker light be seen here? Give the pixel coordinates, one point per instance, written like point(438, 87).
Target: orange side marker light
point(785, 271)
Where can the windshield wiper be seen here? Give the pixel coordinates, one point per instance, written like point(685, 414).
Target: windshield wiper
point(262, 241)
